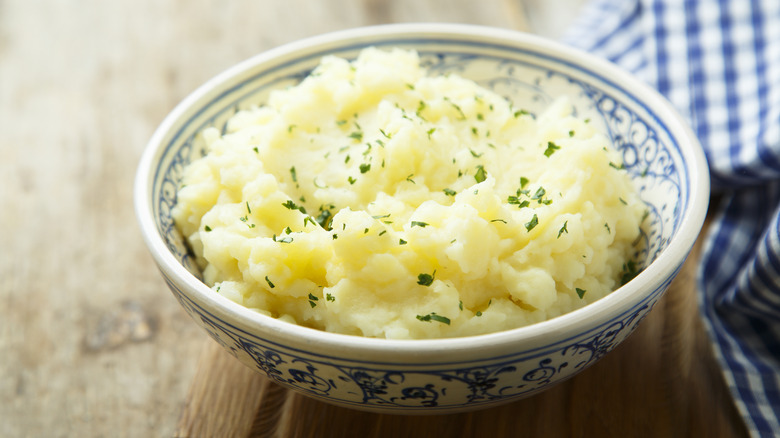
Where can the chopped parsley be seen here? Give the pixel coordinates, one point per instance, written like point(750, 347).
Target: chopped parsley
point(563, 229)
point(450, 192)
point(291, 205)
point(207, 228)
point(351, 180)
point(532, 223)
point(419, 224)
point(521, 112)
point(401, 242)
point(630, 270)
point(539, 195)
point(270, 284)
point(329, 297)
point(245, 219)
point(523, 182)
point(357, 135)
point(325, 216)
point(365, 167)
point(433, 316)
point(313, 300)
point(551, 148)
point(420, 108)
point(580, 292)
point(287, 239)
point(481, 174)
point(461, 115)
point(426, 279)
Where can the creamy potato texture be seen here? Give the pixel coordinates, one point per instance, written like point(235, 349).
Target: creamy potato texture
point(373, 199)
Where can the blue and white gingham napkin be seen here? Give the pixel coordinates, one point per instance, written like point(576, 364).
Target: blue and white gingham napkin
point(718, 62)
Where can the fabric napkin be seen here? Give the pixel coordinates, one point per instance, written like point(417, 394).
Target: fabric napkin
point(718, 62)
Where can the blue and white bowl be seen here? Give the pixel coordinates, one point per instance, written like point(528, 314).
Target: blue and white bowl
point(447, 375)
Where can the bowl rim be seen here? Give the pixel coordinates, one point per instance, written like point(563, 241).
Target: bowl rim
point(571, 323)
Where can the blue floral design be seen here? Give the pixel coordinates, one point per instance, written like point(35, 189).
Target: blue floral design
point(649, 156)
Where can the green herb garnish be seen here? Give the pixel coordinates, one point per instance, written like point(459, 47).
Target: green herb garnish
point(434, 317)
point(481, 174)
point(523, 182)
point(425, 279)
point(630, 271)
point(551, 148)
point(532, 223)
point(563, 229)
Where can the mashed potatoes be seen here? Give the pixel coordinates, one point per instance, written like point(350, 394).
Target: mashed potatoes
point(375, 200)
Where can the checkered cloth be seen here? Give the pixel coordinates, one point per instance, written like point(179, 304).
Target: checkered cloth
point(718, 62)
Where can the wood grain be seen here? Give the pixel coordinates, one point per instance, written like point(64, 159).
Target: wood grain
point(92, 343)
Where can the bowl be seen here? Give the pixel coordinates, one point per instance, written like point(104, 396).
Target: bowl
point(660, 153)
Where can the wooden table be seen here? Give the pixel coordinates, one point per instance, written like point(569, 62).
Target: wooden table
point(92, 343)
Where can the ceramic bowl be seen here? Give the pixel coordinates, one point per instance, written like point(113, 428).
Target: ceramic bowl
point(435, 376)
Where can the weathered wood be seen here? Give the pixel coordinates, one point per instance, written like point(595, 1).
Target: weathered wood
point(91, 342)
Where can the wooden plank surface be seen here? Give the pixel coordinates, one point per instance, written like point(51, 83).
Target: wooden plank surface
point(92, 343)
